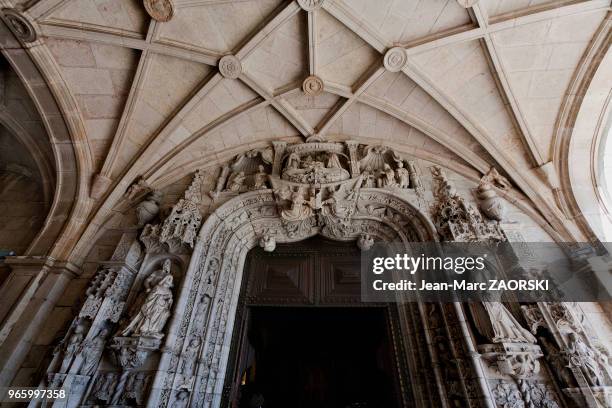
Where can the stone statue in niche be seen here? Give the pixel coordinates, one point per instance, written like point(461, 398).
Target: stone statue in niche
point(148, 209)
point(72, 347)
point(260, 178)
point(92, 351)
point(584, 357)
point(387, 177)
point(491, 204)
point(368, 177)
point(495, 322)
point(155, 311)
point(248, 171)
point(403, 176)
point(382, 167)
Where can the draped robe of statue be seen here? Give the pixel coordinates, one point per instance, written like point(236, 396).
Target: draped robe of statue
point(154, 312)
point(495, 322)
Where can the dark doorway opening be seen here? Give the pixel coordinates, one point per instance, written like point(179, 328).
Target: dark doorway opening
point(304, 339)
point(317, 358)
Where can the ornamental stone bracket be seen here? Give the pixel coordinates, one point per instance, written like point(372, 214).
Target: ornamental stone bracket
point(518, 360)
point(131, 352)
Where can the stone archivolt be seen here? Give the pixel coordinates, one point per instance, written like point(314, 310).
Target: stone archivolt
point(113, 355)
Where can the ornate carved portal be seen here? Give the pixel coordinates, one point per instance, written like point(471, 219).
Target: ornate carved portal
point(154, 332)
point(211, 289)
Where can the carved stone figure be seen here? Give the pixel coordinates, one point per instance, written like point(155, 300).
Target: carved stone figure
point(584, 356)
point(181, 399)
point(415, 181)
point(154, 313)
point(236, 182)
point(260, 178)
point(387, 178)
point(190, 356)
point(490, 204)
point(138, 186)
point(148, 209)
point(403, 176)
point(72, 347)
point(92, 351)
point(268, 243)
point(497, 324)
point(368, 177)
point(365, 242)
point(300, 207)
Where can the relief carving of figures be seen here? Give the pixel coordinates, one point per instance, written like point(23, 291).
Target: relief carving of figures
point(495, 322)
point(236, 182)
point(584, 357)
point(315, 167)
point(403, 176)
point(381, 167)
point(154, 313)
point(148, 209)
point(248, 171)
point(300, 207)
point(491, 205)
point(507, 395)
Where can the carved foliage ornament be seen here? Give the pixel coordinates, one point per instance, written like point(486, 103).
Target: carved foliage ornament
point(159, 10)
point(19, 25)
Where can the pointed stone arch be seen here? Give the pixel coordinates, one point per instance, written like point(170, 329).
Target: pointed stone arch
point(210, 291)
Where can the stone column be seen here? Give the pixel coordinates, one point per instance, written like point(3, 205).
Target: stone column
point(42, 287)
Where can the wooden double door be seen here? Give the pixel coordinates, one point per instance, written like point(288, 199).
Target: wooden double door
point(303, 339)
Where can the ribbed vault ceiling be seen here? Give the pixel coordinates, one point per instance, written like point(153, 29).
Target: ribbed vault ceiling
point(481, 86)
